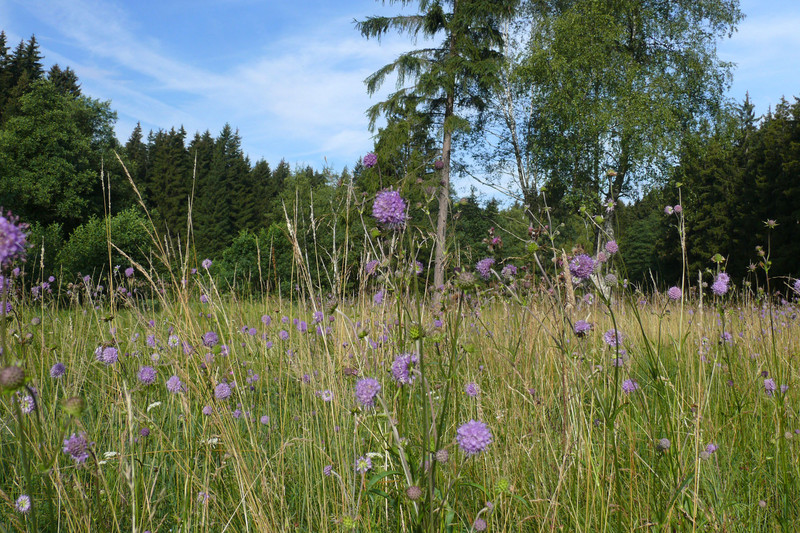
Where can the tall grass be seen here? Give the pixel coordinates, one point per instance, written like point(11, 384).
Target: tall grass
point(677, 428)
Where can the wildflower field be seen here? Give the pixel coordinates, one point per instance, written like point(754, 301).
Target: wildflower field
point(539, 394)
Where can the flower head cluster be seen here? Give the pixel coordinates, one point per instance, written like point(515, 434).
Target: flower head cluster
point(613, 338)
point(582, 327)
point(403, 368)
point(473, 437)
point(582, 266)
point(630, 386)
point(77, 447)
point(174, 385)
point(612, 247)
point(389, 209)
point(796, 286)
point(674, 293)
point(366, 391)
point(57, 370)
point(370, 160)
point(147, 375)
point(371, 266)
point(13, 240)
point(484, 267)
point(106, 354)
point(222, 391)
point(210, 339)
point(471, 389)
point(720, 286)
point(509, 271)
point(23, 504)
point(363, 464)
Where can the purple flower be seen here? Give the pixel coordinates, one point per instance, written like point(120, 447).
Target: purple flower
point(629, 386)
point(210, 339)
point(147, 375)
point(711, 448)
point(174, 385)
point(479, 524)
point(582, 266)
point(363, 464)
point(370, 267)
point(23, 504)
point(207, 410)
point(264, 420)
point(283, 334)
point(77, 447)
point(129, 272)
point(438, 164)
point(403, 366)
point(389, 209)
point(13, 241)
point(484, 267)
point(674, 293)
point(473, 437)
point(378, 298)
point(222, 391)
point(471, 389)
point(678, 209)
point(370, 160)
point(206, 263)
point(509, 271)
point(203, 299)
point(107, 355)
point(668, 210)
point(327, 470)
point(613, 338)
point(612, 247)
point(326, 395)
point(769, 386)
point(720, 286)
point(57, 370)
point(582, 328)
point(366, 391)
point(796, 286)
point(266, 320)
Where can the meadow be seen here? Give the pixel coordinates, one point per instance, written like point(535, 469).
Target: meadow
point(519, 397)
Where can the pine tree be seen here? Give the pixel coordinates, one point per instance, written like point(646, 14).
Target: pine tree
point(65, 80)
point(448, 79)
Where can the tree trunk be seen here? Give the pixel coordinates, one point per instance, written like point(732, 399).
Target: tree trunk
point(444, 197)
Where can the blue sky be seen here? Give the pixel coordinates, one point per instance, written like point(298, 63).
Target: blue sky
point(289, 75)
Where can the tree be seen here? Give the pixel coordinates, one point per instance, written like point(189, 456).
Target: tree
point(65, 80)
point(618, 84)
point(50, 154)
point(448, 80)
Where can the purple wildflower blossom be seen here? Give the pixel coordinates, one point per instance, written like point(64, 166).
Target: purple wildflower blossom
point(147, 375)
point(509, 271)
point(13, 240)
point(366, 391)
point(106, 354)
point(23, 504)
point(769, 386)
point(720, 286)
point(612, 247)
point(371, 266)
point(629, 386)
point(370, 160)
point(283, 334)
point(206, 263)
point(77, 447)
point(582, 327)
point(484, 267)
point(174, 385)
point(207, 410)
point(57, 370)
point(402, 368)
point(471, 389)
point(613, 338)
point(222, 391)
point(473, 437)
point(327, 470)
point(210, 339)
point(582, 266)
point(674, 293)
point(363, 464)
point(479, 524)
point(389, 209)
point(129, 272)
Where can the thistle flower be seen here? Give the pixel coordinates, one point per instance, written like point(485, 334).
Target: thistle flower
point(484, 267)
point(674, 293)
point(402, 368)
point(389, 209)
point(370, 160)
point(77, 447)
point(23, 504)
point(473, 437)
point(582, 266)
point(366, 391)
